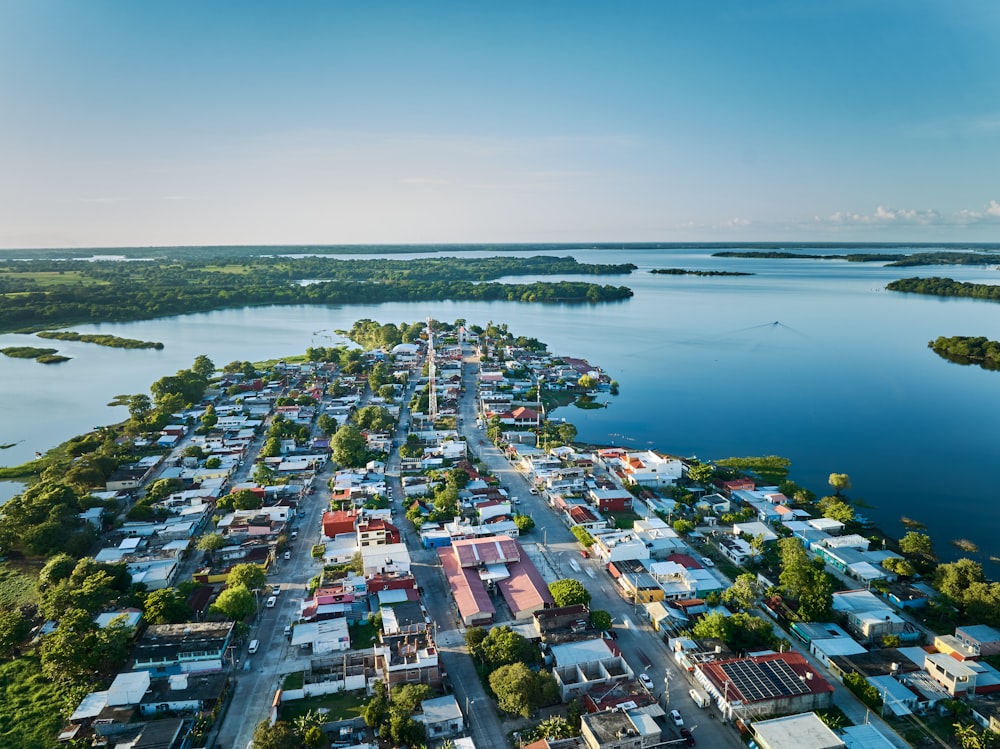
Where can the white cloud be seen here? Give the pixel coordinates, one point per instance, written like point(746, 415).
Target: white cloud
point(104, 200)
point(887, 216)
point(993, 209)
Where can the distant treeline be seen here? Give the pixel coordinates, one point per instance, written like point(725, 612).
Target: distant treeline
point(946, 287)
point(968, 350)
point(48, 293)
point(111, 341)
point(891, 260)
point(785, 255)
point(683, 272)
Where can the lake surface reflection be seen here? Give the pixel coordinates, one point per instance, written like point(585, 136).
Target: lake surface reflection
point(811, 360)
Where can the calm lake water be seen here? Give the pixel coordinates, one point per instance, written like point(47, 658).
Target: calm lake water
point(812, 360)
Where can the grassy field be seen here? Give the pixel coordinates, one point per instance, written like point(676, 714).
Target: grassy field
point(31, 706)
point(18, 584)
point(338, 706)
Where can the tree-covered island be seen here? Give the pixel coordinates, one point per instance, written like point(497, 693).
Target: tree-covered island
point(43, 293)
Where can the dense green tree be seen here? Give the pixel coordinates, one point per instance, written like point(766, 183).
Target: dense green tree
point(683, 527)
point(743, 591)
point(281, 735)
point(600, 619)
point(840, 482)
point(14, 629)
point(60, 567)
point(235, 603)
point(954, 579)
point(203, 366)
point(166, 606)
point(701, 473)
point(349, 447)
point(241, 499)
point(326, 424)
point(568, 592)
point(524, 523)
point(796, 567)
point(210, 542)
point(139, 409)
point(78, 650)
point(376, 711)
point(405, 730)
point(374, 419)
point(474, 637)
point(249, 575)
point(901, 567)
point(502, 645)
point(836, 509)
point(515, 688)
point(918, 546)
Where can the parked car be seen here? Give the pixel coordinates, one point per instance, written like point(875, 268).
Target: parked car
point(647, 683)
point(687, 736)
point(609, 634)
point(288, 555)
point(707, 562)
point(675, 716)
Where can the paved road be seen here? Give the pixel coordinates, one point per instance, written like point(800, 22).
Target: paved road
point(255, 688)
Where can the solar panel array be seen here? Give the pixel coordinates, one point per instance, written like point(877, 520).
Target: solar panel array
point(764, 679)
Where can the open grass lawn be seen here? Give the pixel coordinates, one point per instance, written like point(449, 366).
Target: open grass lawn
point(362, 635)
point(338, 706)
point(241, 270)
point(58, 278)
point(624, 520)
point(18, 584)
point(31, 706)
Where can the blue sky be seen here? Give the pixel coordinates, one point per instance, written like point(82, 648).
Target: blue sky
point(165, 123)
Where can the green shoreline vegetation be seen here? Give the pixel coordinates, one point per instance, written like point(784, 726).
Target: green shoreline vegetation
point(111, 341)
point(45, 293)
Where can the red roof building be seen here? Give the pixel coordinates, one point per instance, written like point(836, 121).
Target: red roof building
point(339, 522)
point(777, 683)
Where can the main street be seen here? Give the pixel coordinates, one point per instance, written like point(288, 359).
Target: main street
point(552, 548)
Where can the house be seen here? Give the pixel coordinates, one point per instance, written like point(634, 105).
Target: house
point(408, 659)
point(474, 564)
point(736, 550)
point(167, 649)
point(184, 693)
point(327, 636)
point(610, 729)
point(442, 717)
point(764, 685)
point(802, 731)
point(983, 639)
point(387, 558)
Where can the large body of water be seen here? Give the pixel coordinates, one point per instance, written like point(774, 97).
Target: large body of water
point(808, 359)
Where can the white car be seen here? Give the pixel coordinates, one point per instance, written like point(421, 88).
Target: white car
point(270, 602)
point(675, 716)
point(707, 562)
point(288, 555)
point(646, 682)
point(275, 590)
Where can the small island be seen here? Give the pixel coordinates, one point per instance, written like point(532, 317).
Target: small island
point(41, 355)
point(111, 341)
point(968, 350)
point(685, 272)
